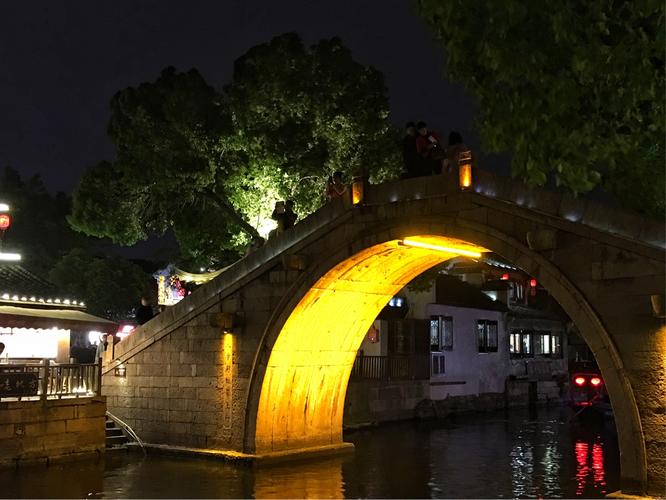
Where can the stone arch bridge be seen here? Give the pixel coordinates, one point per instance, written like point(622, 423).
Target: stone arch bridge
point(256, 362)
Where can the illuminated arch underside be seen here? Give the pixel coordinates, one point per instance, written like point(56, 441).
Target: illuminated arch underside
point(303, 391)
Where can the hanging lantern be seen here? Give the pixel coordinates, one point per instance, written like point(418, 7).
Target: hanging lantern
point(5, 221)
point(465, 169)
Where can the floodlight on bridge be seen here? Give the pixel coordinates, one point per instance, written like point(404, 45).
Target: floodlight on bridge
point(430, 246)
point(11, 257)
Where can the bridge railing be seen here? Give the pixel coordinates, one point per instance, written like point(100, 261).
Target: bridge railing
point(49, 381)
point(394, 367)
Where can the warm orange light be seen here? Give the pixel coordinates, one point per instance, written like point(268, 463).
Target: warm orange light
point(440, 248)
point(357, 191)
point(303, 390)
point(595, 381)
point(227, 375)
point(465, 169)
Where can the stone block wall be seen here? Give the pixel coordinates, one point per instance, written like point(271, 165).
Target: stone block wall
point(36, 431)
point(371, 401)
point(189, 386)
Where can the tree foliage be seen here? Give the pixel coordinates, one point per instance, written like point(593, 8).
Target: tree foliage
point(210, 164)
point(39, 231)
point(110, 286)
point(572, 89)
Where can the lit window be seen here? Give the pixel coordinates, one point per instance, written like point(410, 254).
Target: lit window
point(486, 335)
point(543, 344)
point(520, 343)
point(556, 346)
point(441, 333)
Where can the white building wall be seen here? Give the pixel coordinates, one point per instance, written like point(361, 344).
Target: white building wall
point(467, 371)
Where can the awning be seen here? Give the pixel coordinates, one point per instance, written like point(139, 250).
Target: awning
point(26, 317)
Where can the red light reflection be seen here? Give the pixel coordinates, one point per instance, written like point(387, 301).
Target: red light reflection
point(596, 474)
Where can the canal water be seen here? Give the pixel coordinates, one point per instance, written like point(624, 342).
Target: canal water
point(519, 454)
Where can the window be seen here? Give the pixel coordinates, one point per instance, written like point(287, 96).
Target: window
point(441, 333)
point(527, 343)
point(520, 343)
point(542, 343)
point(486, 335)
point(438, 365)
point(556, 345)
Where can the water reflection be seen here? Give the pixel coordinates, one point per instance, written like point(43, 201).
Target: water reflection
point(316, 479)
point(590, 471)
point(494, 455)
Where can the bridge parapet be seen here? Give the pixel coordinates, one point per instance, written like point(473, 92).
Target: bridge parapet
point(561, 204)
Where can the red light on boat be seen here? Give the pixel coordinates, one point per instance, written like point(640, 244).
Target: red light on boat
point(595, 381)
point(505, 276)
point(533, 283)
point(579, 381)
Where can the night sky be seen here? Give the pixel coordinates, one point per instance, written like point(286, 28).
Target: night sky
point(61, 62)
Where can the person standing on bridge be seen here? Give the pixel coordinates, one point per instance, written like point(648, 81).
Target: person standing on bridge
point(144, 312)
point(429, 148)
point(284, 215)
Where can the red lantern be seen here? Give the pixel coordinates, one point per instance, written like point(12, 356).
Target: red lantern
point(5, 221)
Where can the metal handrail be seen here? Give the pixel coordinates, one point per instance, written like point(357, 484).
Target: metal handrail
point(127, 429)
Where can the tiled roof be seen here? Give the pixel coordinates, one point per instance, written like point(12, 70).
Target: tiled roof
point(20, 286)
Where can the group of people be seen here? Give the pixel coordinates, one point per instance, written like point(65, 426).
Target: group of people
point(423, 152)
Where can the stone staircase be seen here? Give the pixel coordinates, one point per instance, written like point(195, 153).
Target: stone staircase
point(115, 437)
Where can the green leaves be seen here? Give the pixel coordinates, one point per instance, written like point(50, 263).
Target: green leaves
point(574, 90)
point(211, 164)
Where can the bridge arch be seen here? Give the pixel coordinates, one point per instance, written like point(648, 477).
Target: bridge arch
point(299, 377)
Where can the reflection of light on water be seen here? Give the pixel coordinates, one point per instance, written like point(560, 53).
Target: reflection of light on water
point(581, 467)
point(536, 464)
point(551, 468)
point(316, 479)
point(596, 474)
point(598, 466)
point(522, 470)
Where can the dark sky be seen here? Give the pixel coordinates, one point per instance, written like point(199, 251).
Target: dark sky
point(60, 63)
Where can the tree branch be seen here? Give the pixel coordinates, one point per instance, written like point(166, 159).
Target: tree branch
point(231, 212)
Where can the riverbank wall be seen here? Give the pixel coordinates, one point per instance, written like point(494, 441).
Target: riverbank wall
point(370, 402)
point(33, 432)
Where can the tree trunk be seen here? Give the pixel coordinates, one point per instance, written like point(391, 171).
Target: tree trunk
point(231, 212)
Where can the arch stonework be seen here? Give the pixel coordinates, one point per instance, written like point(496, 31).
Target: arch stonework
point(603, 281)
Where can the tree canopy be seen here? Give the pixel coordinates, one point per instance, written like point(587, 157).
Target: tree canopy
point(39, 231)
point(210, 164)
point(574, 90)
point(110, 286)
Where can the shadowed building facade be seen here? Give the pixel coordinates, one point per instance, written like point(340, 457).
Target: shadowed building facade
point(256, 362)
